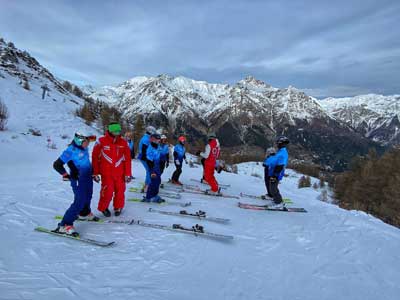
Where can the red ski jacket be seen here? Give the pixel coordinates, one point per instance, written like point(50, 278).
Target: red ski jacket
point(211, 153)
point(111, 156)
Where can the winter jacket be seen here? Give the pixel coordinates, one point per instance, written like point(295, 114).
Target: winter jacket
point(179, 152)
point(143, 144)
point(211, 153)
point(111, 156)
point(164, 150)
point(153, 156)
point(77, 159)
point(277, 163)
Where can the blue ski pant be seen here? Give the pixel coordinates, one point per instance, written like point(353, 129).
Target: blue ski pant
point(146, 167)
point(154, 186)
point(83, 191)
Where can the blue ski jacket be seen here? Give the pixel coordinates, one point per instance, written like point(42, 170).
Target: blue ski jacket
point(143, 145)
point(179, 152)
point(277, 163)
point(164, 150)
point(80, 158)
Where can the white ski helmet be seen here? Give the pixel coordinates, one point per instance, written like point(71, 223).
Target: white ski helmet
point(150, 130)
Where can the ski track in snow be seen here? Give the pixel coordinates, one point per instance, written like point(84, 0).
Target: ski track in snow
point(326, 253)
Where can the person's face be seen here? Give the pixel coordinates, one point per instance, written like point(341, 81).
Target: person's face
point(85, 144)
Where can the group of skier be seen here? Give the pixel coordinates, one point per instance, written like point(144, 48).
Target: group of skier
point(111, 165)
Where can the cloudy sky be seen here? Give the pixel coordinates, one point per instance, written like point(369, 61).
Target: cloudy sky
point(327, 48)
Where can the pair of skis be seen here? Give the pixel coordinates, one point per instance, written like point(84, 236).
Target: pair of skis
point(140, 200)
point(219, 184)
point(201, 215)
point(197, 229)
point(266, 207)
point(163, 193)
point(263, 197)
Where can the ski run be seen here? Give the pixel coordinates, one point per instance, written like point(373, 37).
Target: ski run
point(327, 253)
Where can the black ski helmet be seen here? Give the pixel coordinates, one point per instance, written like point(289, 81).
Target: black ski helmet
point(282, 141)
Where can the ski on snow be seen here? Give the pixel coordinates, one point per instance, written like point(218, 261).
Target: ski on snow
point(197, 229)
point(162, 193)
point(266, 207)
point(219, 184)
point(197, 215)
point(263, 197)
point(140, 200)
point(77, 238)
point(203, 192)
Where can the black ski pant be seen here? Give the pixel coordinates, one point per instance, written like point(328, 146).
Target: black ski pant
point(177, 172)
point(266, 180)
point(273, 186)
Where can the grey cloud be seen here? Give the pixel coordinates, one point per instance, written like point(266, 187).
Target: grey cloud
point(315, 45)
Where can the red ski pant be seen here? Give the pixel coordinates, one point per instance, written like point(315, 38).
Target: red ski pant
point(112, 186)
point(209, 177)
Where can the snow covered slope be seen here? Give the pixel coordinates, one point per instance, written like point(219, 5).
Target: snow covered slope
point(327, 253)
point(375, 116)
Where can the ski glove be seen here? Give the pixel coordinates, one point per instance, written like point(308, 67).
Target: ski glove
point(96, 178)
point(128, 179)
point(177, 162)
point(66, 177)
point(198, 153)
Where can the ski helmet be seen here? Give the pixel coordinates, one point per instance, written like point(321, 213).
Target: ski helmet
point(282, 141)
point(150, 130)
point(212, 135)
point(270, 150)
point(182, 139)
point(156, 136)
point(163, 137)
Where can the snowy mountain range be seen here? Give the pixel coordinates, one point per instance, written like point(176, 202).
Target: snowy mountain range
point(375, 116)
point(246, 116)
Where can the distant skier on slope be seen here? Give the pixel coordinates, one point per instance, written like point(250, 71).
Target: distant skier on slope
point(143, 145)
point(76, 156)
point(270, 153)
point(276, 169)
point(112, 164)
point(179, 156)
point(211, 154)
point(164, 151)
point(153, 156)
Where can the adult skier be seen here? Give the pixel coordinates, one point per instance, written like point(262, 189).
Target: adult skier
point(76, 156)
point(276, 169)
point(211, 154)
point(266, 163)
point(143, 145)
point(111, 159)
point(179, 156)
point(164, 151)
point(153, 156)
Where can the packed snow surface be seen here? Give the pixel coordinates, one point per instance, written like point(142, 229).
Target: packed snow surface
point(326, 253)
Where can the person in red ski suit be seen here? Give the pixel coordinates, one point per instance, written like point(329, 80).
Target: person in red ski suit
point(111, 160)
point(211, 154)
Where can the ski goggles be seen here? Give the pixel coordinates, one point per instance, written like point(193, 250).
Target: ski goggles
point(114, 128)
point(79, 139)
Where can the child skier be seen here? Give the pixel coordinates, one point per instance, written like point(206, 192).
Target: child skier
point(276, 169)
point(211, 154)
point(153, 155)
point(164, 151)
point(76, 156)
point(143, 145)
point(270, 153)
point(179, 156)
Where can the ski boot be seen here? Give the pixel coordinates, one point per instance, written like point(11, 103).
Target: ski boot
point(67, 230)
point(90, 217)
point(106, 213)
point(117, 212)
point(280, 205)
point(157, 199)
